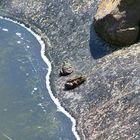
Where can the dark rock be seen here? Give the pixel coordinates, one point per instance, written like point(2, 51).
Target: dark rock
point(117, 21)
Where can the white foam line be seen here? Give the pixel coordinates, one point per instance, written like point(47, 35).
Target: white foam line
point(46, 60)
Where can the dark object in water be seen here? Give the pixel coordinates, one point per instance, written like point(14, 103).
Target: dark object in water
point(75, 82)
point(66, 68)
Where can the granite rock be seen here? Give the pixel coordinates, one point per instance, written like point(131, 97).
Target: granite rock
point(117, 21)
point(107, 105)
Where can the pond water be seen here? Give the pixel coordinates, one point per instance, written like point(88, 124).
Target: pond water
point(26, 109)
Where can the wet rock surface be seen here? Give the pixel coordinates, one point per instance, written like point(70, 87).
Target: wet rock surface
point(117, 21)
point(107, 105)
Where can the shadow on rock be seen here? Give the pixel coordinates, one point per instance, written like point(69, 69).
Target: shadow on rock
point(98, 47)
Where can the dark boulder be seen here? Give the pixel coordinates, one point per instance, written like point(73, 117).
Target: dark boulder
point(117, 21)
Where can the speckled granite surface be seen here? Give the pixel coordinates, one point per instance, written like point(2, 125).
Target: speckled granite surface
point(107, 105)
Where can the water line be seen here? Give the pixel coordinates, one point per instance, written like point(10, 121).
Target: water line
point(46, 60)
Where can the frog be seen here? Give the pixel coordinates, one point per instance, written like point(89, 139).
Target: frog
point(66, 68)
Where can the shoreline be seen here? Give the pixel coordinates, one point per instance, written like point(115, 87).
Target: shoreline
point(47, 61)
point(110, 94)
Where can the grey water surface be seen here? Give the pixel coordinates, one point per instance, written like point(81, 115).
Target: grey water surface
point(26, 110)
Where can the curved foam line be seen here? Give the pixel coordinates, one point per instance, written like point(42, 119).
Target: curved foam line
point(46, 60)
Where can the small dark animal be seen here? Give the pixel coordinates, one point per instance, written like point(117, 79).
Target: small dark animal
point(75, 82)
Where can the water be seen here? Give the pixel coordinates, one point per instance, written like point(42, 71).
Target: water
point(26, 109)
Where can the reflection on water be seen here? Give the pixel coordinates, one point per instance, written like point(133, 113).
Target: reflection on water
point(26, 110)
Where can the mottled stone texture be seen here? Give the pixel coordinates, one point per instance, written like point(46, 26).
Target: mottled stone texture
point(107, 105)
point(117, 21)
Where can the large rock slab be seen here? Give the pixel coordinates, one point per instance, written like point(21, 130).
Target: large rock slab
point(107, 105)
point(117, 21)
